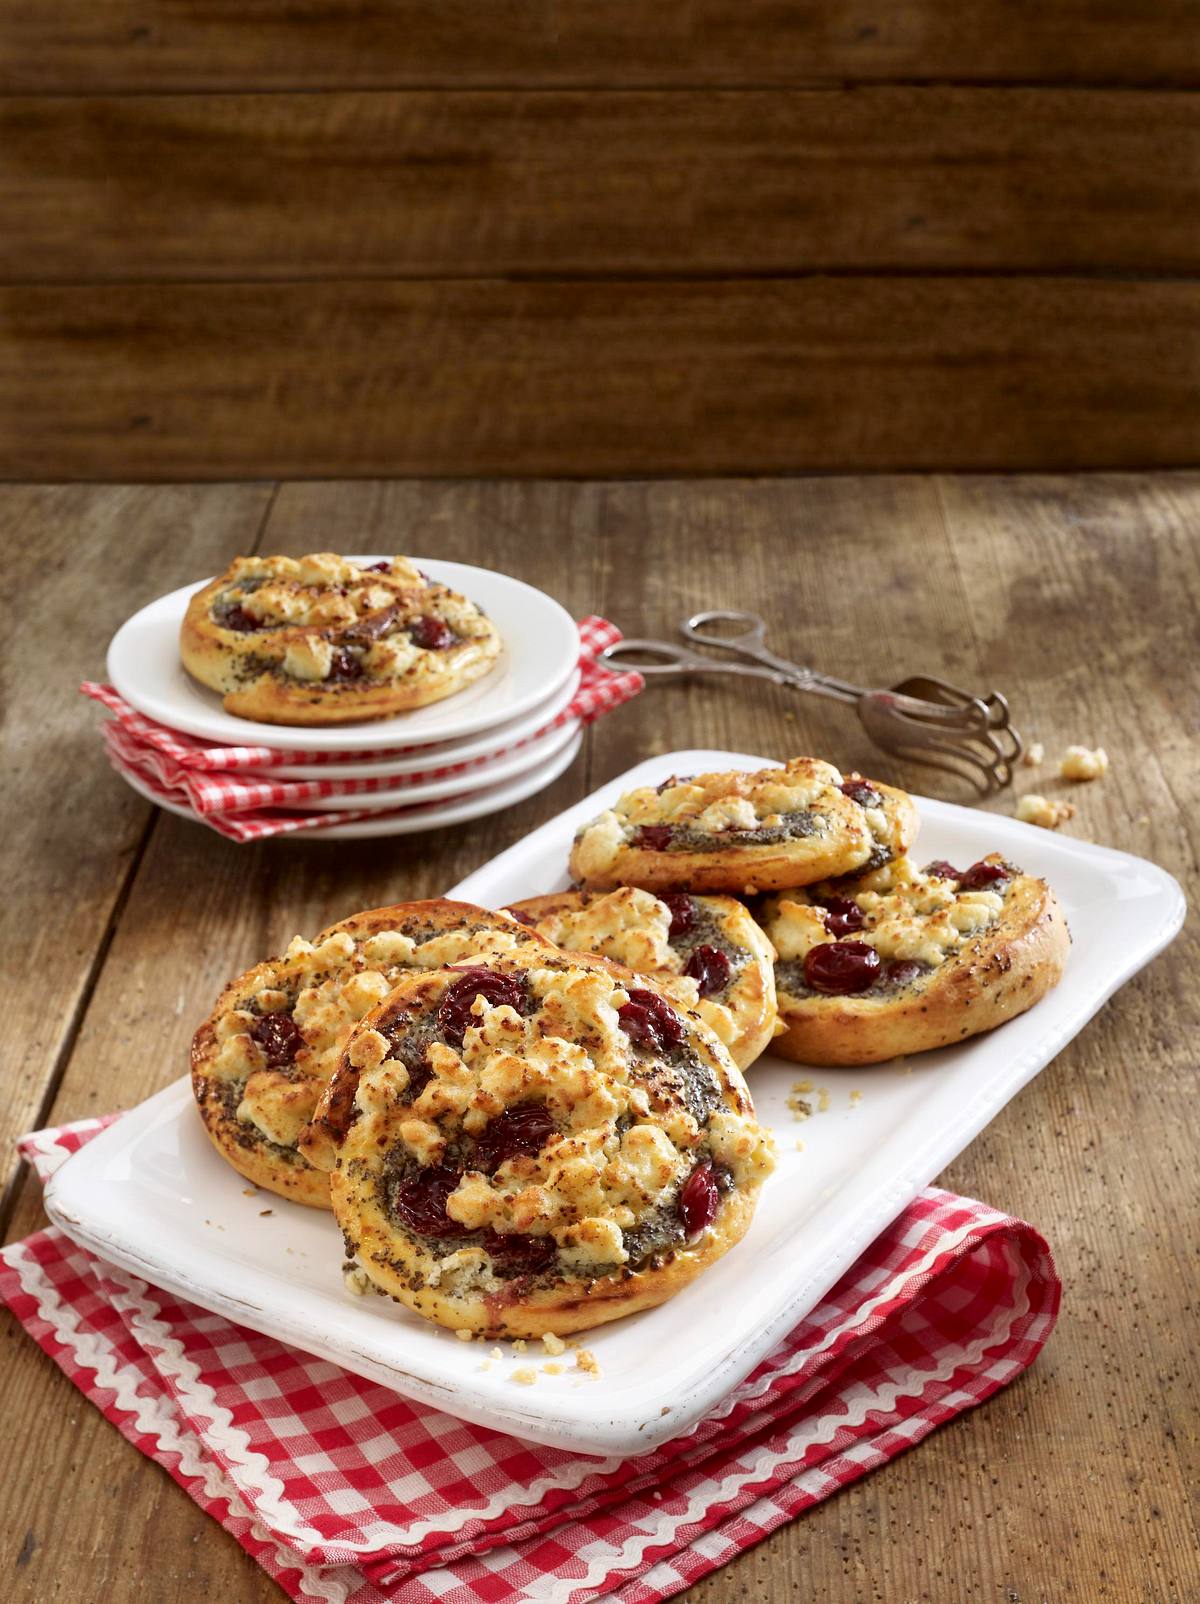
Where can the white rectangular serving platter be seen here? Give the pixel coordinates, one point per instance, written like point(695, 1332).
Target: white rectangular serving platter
point(151, 1195)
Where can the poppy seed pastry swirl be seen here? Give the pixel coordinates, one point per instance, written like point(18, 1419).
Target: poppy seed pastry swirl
point(707, 953)
point(322, 640)
point(745, 832)
point(539, 1146)
point(264, 1055)
point(902, 960)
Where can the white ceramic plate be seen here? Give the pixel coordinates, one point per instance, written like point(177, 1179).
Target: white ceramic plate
point(448, 785)
point(423, 816)
point(541, 647)
point(152, 1195)
point(431, 756)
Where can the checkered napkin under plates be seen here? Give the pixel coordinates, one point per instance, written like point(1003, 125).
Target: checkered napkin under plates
point(344, 1491)
point(222, 785)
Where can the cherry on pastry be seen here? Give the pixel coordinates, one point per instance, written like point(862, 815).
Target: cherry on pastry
point(699, 1199)
point(419, 1202)
point(524, 1254)
point(942, 870)
point(842, 916)
point(279, 1037)
point(454, 1014)
point(522, 1130)
point(431, 634)
point(653, 837)
point(981, 875)
point(378, 568)
point(709, 967)
point(683, 913)
point(839, 968)
point(344, 665)
point(862, 792)
point(649, 1020)
point(236, 617)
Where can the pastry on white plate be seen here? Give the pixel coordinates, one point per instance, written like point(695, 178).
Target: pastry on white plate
point(707, 952)
point(901, 960)
point(264, 1055)
point(744, 832)
point(324, 640)
point(534, 1146)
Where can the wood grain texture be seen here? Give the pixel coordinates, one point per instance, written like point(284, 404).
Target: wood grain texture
point(312, 186)
point(79, 563)
point(100, 45)
point(762, 376)
point(1076, 596)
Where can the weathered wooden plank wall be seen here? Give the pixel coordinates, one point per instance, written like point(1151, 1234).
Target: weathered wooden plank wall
point(713, 237)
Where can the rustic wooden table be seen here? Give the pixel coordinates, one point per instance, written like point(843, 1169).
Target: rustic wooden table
point(1079, 597)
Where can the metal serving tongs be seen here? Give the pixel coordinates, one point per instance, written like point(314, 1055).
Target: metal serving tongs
point(922, 719)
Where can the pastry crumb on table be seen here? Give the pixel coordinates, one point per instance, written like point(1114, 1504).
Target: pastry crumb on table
point(1035, 752)
point(1043, 811)
point(1083, 763)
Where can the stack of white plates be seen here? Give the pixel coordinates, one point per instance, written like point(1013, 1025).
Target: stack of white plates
point(502, 727)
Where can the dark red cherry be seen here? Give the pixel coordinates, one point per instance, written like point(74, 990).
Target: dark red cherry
point(238, 618)
point(902, 971)
point(521, 916)
point(419, 1202)
point(710, 968)
point(454, 1014)
point(840, 967)
point(649, 1020)
point(524, 1255)
point(683, 913)
point(522, 1130)
point(378, 568)
point(344, 665)
point(279, 1037)
point(419, 1077)
point(699, 1199)
point(653, 837)
point(862, 792)
point(431, 634)
point(842, 916)
point(982, 875)
point(942, 870)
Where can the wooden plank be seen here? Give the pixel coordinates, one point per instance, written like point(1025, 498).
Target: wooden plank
point(400, 184)
point(79, 562)
point(102, 45)
point(1076, 596)
point(762, 376)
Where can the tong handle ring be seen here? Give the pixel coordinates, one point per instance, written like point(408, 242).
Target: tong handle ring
point(752, 640)
point(625, 655)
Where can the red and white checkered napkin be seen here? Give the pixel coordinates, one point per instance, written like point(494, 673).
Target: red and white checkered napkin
point(346, 1492)
point(221, 786)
